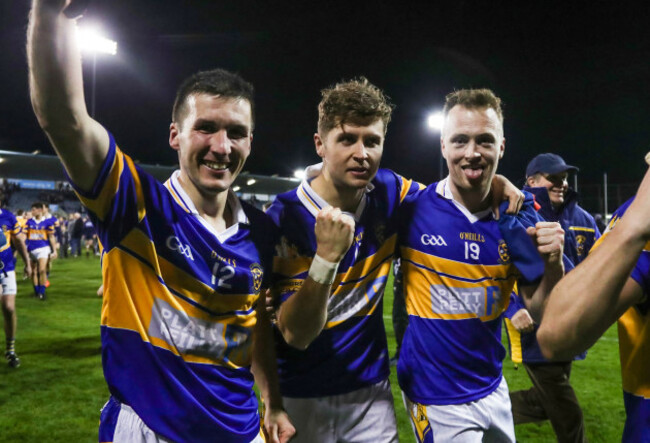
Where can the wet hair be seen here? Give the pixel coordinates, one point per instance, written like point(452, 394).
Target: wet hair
point(217, 82)
point(38, 205)
point(355, 101)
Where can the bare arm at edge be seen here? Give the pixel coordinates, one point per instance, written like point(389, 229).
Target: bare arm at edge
point(56, 91)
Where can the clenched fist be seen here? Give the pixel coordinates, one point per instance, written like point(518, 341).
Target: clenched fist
point(334, 234)
point(522, 321)
point(549, 239)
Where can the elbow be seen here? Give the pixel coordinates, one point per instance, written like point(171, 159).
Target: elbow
point(296, 337)
point(298, 341)
point(552, 346)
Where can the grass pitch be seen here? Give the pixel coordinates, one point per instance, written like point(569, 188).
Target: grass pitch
point(57, 393)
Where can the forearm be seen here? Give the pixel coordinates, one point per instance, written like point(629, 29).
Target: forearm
point(56, 82)
point(586, 302)
point(56, 88)
point(264, 365)
point(535, 300)
point(302, 317)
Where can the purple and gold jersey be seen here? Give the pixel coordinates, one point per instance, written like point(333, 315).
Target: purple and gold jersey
point(10, 227)
point(634, 348)
point(179, 304)
point(351, 352)
point(38, 232)
point(457, 281)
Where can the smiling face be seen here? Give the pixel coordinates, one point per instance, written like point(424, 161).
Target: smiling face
point(472, 143)
point(213, 140)
point(351, 153)
point(556, 184)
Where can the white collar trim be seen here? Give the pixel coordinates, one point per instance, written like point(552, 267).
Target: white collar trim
point(443, 189)
point(232, 201)
point(314, 202)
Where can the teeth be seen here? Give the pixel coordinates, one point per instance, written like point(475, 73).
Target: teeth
point(215, 165)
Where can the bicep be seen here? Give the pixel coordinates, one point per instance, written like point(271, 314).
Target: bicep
point(82, 152)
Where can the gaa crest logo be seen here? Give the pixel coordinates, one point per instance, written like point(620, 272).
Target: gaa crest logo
point(258, 274)
point(580, 244)
point(504, 253)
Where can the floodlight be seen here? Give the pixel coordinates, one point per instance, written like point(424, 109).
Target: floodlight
point(299, 174)
point(250, 181)
point(91, 41)
point(435, 121)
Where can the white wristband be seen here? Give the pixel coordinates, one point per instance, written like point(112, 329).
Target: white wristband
point(322, 271)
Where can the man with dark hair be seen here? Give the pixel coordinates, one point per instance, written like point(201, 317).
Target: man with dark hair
point(611, 284)
point(551, 397)
point(41, 244)
point(458, 274)
point(183, 325)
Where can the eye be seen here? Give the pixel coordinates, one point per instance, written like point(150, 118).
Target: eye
point(237, 133)
point(346, 139)
point(459, 139)
point(372, 142)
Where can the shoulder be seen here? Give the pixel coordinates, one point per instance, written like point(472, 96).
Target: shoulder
point(256, 217)
point(279, 205)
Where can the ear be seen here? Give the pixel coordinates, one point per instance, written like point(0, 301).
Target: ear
point(320, 145)
point(502, 148)
point(443, 149)
point(174, 133)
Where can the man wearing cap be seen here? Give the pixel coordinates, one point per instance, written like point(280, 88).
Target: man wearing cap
point(551, 397)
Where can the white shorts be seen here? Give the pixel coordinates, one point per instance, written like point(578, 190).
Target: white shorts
point(130, 428)
point(38, 253)
point(364, 415)
point(486, 420)
point(8, 282)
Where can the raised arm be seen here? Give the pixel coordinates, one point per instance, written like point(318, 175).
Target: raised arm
point(590, 298)
point(302, 317)
point(56, 88)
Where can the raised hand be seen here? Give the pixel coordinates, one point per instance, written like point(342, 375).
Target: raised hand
point(334, 234)
point(549, 239)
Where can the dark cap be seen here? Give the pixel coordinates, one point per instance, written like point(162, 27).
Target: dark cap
point(549, 164)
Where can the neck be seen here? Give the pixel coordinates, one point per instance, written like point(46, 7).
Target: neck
point(474, 200)
point(343, 197)
point(212, 207)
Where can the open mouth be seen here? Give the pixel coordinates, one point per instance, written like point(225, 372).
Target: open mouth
point(215, 166)
point(473, 172)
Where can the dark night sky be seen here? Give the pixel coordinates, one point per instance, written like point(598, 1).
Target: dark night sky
point(573, 78)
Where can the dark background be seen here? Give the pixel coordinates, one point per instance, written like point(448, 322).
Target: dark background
point(573, 76)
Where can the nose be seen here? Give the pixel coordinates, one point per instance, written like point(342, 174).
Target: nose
point(471, 151)
point(220, 142)
point(360, 151)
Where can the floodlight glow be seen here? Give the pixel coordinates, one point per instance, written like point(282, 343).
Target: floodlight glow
point(2, 159)
point(90, 41)
point(236, 188)
point(250, 181)
point(299, 173)
point(435, 121)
